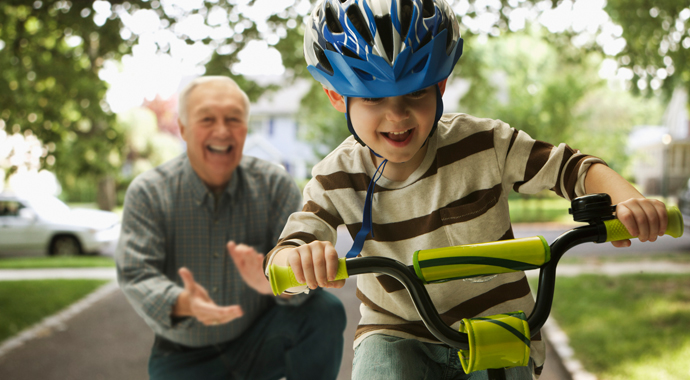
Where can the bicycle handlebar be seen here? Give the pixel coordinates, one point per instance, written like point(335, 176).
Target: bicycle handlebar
point(446, 264)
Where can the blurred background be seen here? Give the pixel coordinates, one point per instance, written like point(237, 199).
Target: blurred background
point(88, 100)
point(89, 89)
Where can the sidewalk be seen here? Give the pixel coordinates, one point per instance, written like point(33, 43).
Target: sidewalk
point(101, 337)
point(62, 273)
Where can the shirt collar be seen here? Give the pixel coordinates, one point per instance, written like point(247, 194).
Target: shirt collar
point(199, 190)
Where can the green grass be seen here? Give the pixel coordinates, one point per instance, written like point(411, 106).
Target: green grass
point(539, 210)
point(24, 303)
point(673, 257)
point(56, 262)
point(632, 327)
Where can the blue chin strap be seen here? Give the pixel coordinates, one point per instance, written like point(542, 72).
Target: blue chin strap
point(367, 224)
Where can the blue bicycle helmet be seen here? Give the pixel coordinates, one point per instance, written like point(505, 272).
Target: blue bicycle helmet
point(382, 48)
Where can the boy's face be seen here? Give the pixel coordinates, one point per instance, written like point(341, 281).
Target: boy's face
point(395, 127)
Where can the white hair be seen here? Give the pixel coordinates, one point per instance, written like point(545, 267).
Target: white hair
point(184, 95)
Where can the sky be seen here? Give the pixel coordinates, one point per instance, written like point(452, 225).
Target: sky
point(147, 72)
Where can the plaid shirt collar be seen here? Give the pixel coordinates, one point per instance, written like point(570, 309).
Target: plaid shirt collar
point(200, 193)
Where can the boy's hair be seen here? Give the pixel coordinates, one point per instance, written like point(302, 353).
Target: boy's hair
point(381, 48)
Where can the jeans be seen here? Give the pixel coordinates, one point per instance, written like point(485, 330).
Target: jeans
point(302, 342)
point(384, 357)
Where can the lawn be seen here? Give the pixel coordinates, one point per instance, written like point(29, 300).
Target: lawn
point(24, 303)
point(632, 327)
point(539, 210)
point(56, 262)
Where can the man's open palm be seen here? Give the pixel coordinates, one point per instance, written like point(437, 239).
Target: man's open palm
point(250, 265)
point(202, 307)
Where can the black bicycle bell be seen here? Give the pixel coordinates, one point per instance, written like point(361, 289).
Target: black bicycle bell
point(592, 208)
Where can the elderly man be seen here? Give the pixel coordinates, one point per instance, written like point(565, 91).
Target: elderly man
point(212, 313)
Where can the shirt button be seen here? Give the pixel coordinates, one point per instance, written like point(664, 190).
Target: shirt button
point(216, 255)
point(215, 289)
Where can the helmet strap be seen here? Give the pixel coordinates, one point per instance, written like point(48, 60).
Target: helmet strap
point(349, 123)
point(367, 224)
point(439, 112)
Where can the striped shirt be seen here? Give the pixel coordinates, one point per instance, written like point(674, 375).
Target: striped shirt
point(458, 195)
point(171, 220)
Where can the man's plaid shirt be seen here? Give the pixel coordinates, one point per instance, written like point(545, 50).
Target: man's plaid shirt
point(171, 220)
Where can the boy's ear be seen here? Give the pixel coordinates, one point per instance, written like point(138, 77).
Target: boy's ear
point(337, 100)
point(442, 85)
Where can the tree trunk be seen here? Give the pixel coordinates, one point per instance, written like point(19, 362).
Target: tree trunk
point(106, 196)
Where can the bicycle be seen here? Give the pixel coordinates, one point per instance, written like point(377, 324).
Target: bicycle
point(501, 341)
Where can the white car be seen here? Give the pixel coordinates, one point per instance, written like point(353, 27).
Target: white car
point(40, 225)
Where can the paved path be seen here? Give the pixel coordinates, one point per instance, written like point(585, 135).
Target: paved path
point(61, 273)
point(106, 341)
point(109, 341)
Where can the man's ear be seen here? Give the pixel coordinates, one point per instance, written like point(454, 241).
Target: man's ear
point(442, 85)
point(179, 123)
point(337, 100)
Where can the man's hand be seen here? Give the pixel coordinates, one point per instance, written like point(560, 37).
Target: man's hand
point(250, 265)
point(194, 301)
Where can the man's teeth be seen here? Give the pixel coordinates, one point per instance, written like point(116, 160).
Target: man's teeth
point(219, 148)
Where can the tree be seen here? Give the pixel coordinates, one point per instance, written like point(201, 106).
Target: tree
point(657, 48)
point(522, 80)
point(325, 127)
point(50, 55)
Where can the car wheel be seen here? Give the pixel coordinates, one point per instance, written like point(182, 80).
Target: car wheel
point(64, 245)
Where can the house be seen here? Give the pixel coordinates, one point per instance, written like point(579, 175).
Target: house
point(273, 131)
point(661, 163)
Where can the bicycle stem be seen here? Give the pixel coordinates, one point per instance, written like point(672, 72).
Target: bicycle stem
point(547, 274)
point(425, 307)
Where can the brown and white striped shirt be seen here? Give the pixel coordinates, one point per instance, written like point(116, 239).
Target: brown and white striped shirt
point(458, 195)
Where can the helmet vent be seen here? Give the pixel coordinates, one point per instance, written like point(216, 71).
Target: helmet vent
point(357, 20)
point(363, 75)
point(425, 40)
point(406, 11)
point(446, 25)
point(332, 20)
point(428, 8)
point(349, 53)
point(323, 60)
point(384, 26)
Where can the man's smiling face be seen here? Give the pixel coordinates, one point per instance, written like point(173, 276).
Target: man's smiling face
point(215, 131)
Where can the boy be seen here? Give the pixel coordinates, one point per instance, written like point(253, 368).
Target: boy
point(442, 180)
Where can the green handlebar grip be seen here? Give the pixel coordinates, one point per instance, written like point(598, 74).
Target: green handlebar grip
point(283, 278)
point(615, 230)
point(469, 260)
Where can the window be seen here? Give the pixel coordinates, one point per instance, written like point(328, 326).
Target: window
point(9, 208)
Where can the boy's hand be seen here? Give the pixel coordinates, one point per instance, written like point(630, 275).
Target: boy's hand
point(315, 264)
point(642, 217)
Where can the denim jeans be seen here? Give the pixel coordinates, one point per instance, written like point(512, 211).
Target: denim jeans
point(383, 357)
point(303, 342)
